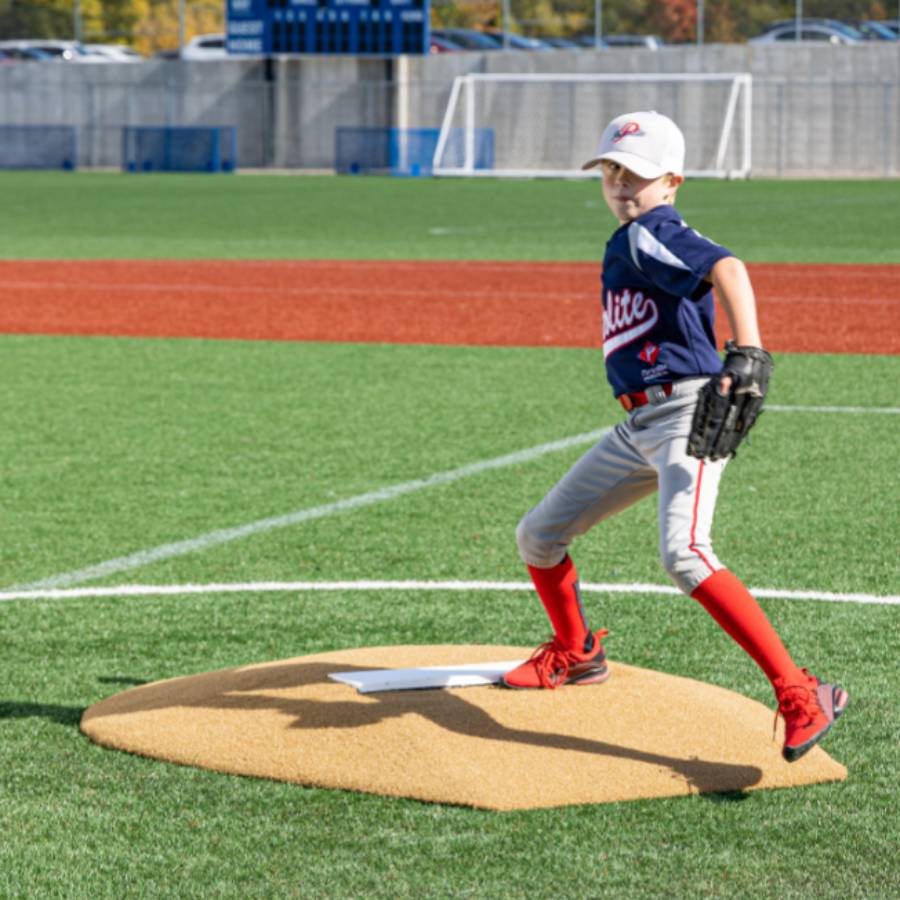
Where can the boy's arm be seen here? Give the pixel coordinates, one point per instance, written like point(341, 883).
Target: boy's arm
point(732, 283)
point(729, 404)
point(735, 292)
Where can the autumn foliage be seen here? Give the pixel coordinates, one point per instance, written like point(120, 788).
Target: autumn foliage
point(146, 25)
point(673, 20)
point(152, 25)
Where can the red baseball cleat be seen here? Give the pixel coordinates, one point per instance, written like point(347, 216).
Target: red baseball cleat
point(809, 711)
point(553, 664)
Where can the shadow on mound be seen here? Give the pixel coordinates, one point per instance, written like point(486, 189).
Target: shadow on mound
point(481, 746)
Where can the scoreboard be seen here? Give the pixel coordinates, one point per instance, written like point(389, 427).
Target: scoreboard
point(328, 26)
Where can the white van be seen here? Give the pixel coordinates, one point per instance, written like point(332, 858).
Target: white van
point(114, 52)
point(205, 46)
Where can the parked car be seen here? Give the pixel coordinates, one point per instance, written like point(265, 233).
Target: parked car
point(560, 43)
point(647, 41)
point(874, 31)
point(822, 31)
point(62, 51)
point(443, 45)
point(519, 41)
point(590, 41)
point(25, 54)
point(114, 52)
point(467, 38)
point(815, 20)
point(205, 46)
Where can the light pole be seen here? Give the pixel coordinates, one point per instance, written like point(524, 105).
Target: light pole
point(598, 22)
point(699, 23)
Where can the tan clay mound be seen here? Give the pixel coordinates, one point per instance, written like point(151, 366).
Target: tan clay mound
point(641, 734)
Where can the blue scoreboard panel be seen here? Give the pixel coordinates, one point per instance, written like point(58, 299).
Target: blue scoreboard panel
point(328, 26)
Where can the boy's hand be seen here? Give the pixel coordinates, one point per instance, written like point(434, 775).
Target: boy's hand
point(730, 403)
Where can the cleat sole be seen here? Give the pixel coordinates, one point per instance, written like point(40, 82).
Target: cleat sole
point(840, 700)
point(597, 676)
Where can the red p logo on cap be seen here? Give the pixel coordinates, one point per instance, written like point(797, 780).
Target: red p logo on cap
point(625, 130)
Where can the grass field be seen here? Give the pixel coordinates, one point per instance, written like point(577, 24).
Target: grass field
point(101, 216)
point(114, 446)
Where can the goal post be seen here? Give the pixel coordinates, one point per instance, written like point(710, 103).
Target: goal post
point(545, 125)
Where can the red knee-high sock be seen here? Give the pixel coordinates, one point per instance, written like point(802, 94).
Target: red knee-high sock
point(558, 590)
point(725, 598)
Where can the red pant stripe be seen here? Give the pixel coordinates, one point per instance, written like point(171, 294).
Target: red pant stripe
point(693, 545)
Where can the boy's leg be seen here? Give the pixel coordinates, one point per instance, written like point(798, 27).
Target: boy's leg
point(688, 489)
point(728, 601)
point(687, 493)
point(559, 592)
point(608, 478)
point(809, 707)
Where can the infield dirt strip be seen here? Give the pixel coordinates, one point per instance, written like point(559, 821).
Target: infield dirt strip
point(802, 308)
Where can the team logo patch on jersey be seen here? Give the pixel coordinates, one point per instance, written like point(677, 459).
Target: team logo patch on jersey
point(649, 354)
point(627, 130)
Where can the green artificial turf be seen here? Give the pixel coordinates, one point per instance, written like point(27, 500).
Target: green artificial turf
point(127, 444)
point(115, 446)
point(60, 215)
point(121, 445)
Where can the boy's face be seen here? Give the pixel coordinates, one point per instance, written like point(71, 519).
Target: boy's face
point(629, 196)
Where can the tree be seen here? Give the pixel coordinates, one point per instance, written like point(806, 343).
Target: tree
point(152, 25)
point(116, 21)
point(148, 25)
point(157, 26)
point(674, 20)
point(20, 19)
point(728, 21)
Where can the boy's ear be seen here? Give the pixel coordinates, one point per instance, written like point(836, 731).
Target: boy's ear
point(675, 180)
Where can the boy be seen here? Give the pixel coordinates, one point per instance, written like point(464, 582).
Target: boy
point(661, 360)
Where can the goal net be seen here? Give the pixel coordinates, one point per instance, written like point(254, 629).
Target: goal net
point(547, 125)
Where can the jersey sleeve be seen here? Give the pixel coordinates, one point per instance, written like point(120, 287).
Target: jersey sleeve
point(673, 256)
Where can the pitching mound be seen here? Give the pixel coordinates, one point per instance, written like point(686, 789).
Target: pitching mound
point(641, 734)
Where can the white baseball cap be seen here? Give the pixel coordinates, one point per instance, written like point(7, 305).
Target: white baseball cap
point(648, 143)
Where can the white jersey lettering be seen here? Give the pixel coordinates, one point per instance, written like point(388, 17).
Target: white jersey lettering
point(626, 317)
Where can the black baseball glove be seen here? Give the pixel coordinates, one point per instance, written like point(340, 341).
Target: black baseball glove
point(721, 421)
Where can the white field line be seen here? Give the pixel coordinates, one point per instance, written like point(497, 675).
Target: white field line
point(392, 492)
point(226, 535)
point(257, 587)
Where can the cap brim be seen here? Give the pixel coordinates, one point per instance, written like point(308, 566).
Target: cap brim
point(637, 164)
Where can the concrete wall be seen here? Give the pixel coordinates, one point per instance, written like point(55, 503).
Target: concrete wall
point(99, 99)
point(817, 110)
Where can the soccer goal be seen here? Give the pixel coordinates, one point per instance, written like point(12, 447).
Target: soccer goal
point(547, 125)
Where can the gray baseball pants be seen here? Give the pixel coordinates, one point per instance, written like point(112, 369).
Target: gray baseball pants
point(643, 454)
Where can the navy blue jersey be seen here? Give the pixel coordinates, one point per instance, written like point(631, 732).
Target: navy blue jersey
point(657, 307)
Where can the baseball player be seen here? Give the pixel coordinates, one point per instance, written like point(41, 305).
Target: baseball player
point(686, 414)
